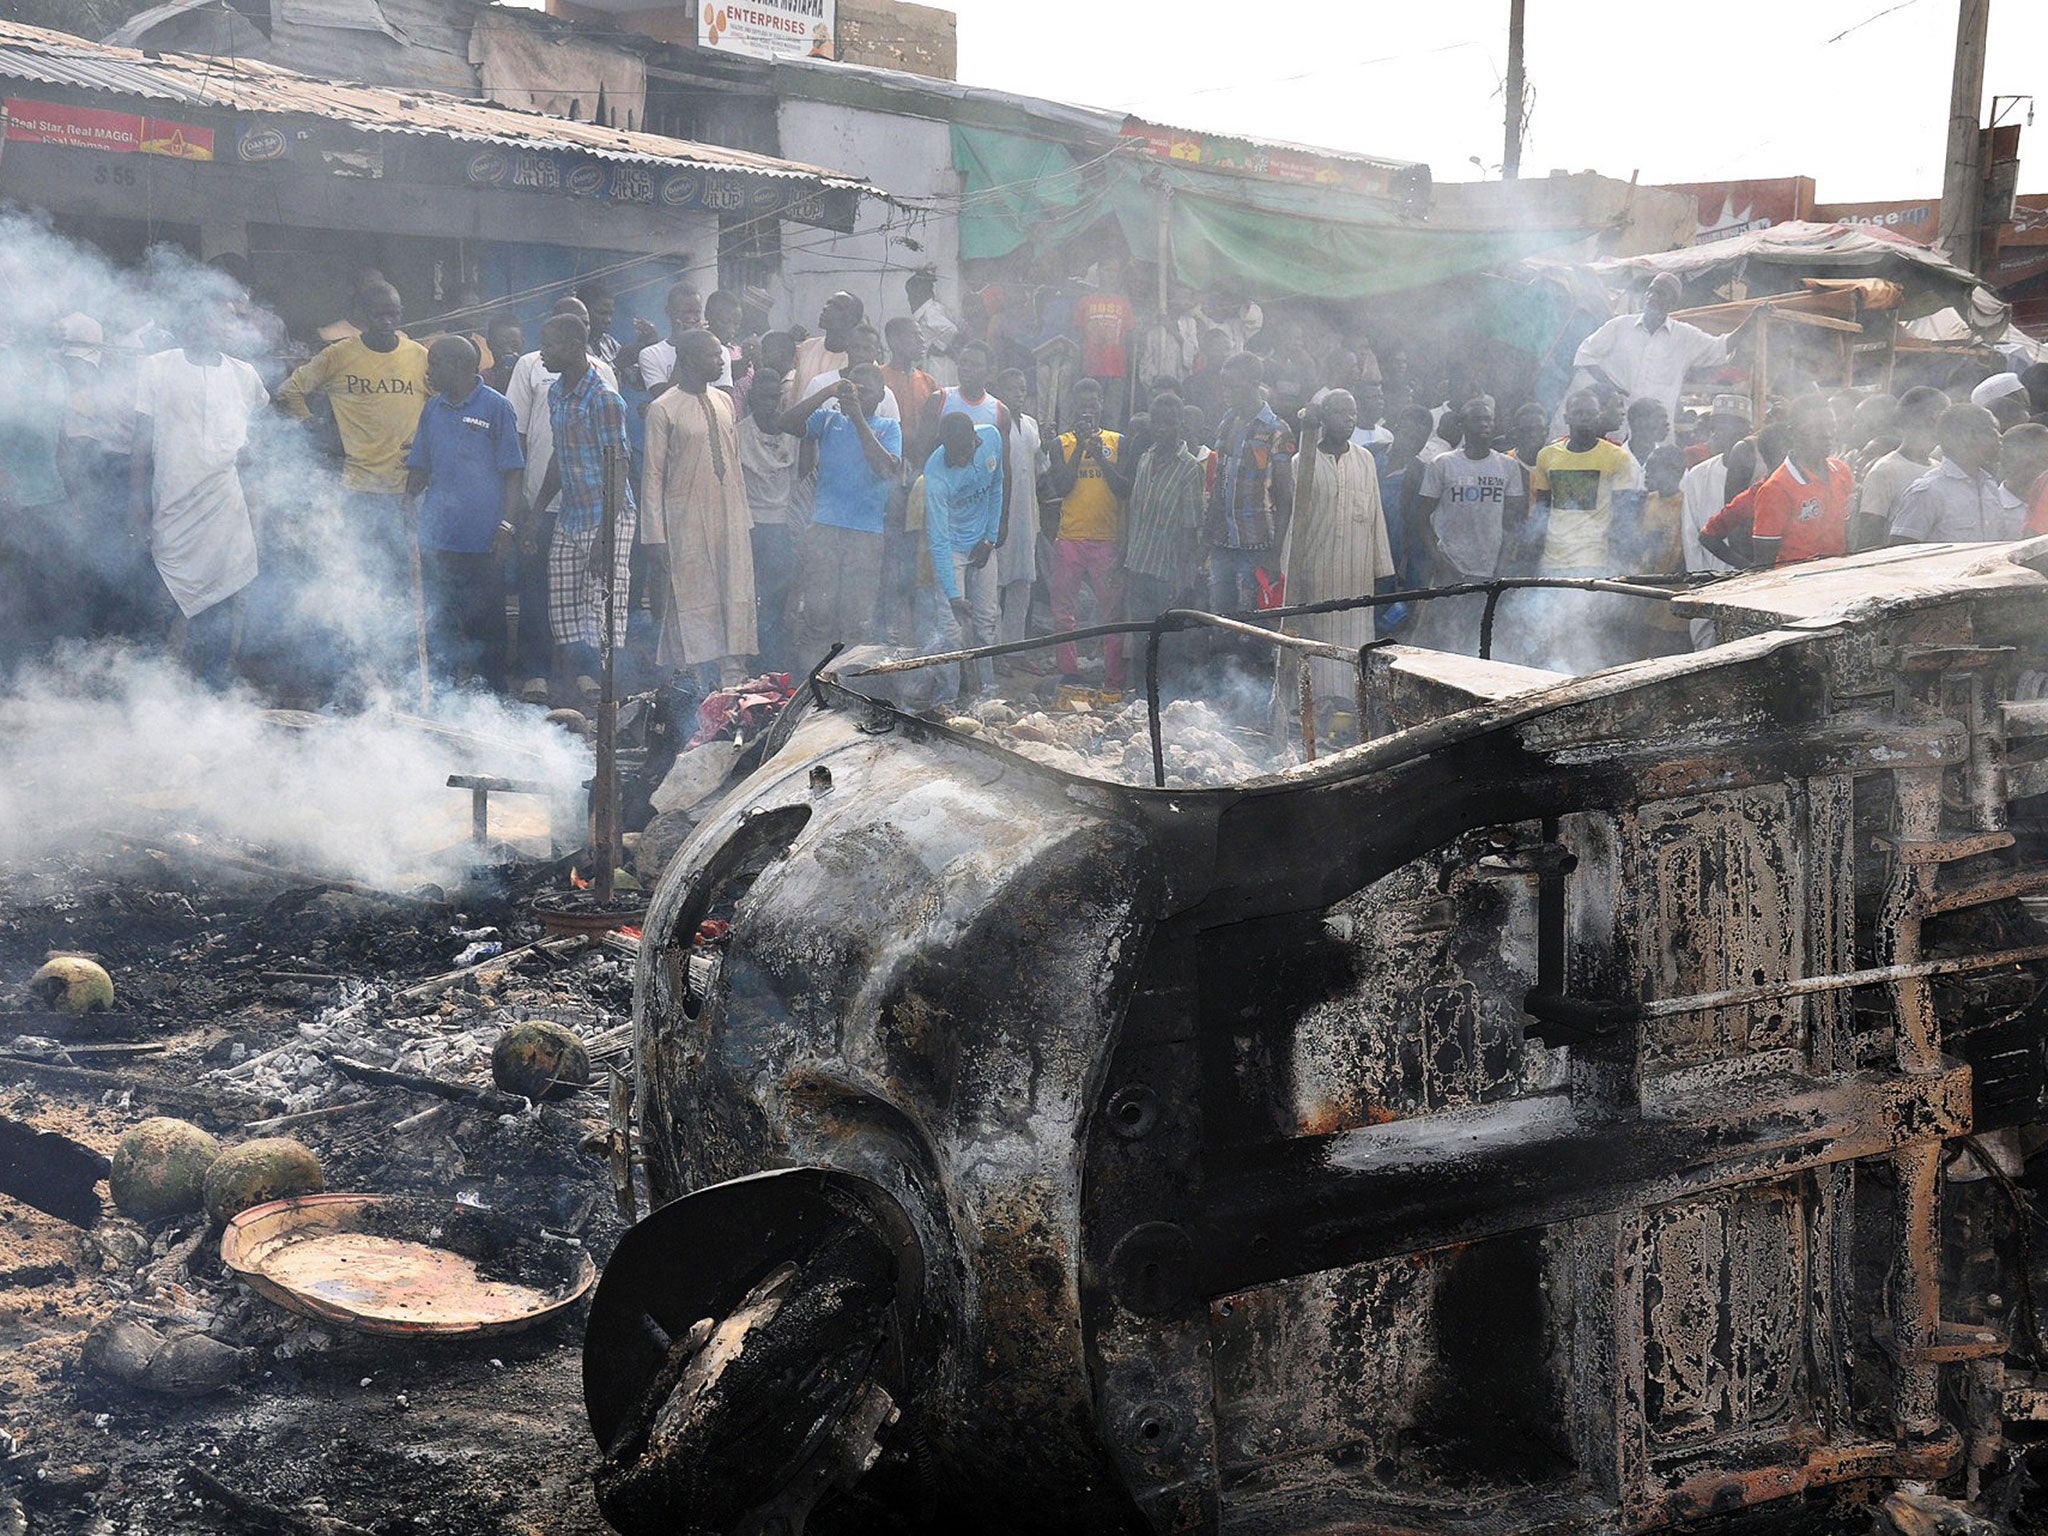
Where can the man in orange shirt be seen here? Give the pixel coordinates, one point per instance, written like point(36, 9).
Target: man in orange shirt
point(1107, 322)
point(1801, 512)
point(911, 385)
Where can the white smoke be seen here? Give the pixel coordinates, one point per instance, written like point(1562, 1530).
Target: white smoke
point(108, 741)
point(113, 736)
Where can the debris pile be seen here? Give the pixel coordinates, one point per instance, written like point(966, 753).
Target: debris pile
point(259, 1043)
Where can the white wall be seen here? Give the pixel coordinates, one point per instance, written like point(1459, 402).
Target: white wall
point(911, 157)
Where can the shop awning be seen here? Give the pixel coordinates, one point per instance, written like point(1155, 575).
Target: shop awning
point(278, 112)
point(1273, 239)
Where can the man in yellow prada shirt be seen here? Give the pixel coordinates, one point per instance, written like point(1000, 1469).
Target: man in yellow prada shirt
point(376, 383)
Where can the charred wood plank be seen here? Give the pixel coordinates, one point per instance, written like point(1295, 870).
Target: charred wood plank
point(87, 1078)
point(52, 1173)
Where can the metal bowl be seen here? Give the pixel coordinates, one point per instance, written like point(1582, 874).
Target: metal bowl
point(382, 1264)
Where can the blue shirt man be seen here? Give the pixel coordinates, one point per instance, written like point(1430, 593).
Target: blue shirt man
point(466, 447)
point(462, 480)
point(850, 493)
point(963, 502)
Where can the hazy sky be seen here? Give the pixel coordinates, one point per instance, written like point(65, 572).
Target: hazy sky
point(1679, 92)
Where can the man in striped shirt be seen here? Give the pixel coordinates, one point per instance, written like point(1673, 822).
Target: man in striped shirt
point(588, 417)
point(1163, 521)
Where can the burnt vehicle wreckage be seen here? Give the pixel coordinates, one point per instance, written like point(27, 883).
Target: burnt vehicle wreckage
point(1588, 1102)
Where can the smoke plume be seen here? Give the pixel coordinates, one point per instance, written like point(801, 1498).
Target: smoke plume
point(113, 735)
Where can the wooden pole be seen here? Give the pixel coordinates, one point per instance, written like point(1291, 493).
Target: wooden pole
point(1511, 150)
point(1760, 383)
point(419, 608)
point(619, 1144)
point(605, 788)
point(1962, 178)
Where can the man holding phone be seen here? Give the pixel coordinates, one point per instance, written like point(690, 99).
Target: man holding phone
point(1093, 487)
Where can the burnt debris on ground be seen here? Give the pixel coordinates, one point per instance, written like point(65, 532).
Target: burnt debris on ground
point(142, 1387)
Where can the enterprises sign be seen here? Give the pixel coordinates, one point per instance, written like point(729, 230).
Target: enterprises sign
point(765, 28)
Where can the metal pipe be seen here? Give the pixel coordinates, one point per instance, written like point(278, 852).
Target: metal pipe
point(1986, 775)
point(1486, 623)
point(1307, 647)
point(1807, 986)
point(605, 835)
point(1189, 618)
point(1152, 709)
point(1005, 648)
point(1916, 1290)
point(1305, 695)
point(1550, 917)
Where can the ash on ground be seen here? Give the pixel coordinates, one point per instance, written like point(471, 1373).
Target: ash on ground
point(1202, 746)
point(236, 999)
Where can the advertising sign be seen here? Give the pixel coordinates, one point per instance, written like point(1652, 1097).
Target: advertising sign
point(688, 189)
point(764, 28)
point(1737, 207)
point(1275, 162)
point(116, 133)
point(1916, 220)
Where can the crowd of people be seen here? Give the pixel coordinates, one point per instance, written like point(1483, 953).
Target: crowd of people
point(931, 482)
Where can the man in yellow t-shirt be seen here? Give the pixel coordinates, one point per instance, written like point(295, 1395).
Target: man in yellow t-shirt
point(376, 382)
point(1092, 487)
point(1572, 490)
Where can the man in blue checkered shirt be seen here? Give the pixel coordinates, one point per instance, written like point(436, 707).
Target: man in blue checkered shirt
point(587, 417)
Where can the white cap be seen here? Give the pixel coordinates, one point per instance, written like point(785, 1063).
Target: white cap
point(81, 337)
point(1997, 387)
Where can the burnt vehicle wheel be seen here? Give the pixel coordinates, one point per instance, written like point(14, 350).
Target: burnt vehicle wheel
point(738, 1349)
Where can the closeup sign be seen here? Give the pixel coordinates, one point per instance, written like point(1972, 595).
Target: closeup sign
point(117, 133)
point(765, 28)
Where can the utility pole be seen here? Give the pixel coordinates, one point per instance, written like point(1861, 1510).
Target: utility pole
point(1962, 179)
point(1511, 152)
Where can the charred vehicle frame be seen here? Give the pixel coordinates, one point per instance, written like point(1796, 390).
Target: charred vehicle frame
point(1589, 1101)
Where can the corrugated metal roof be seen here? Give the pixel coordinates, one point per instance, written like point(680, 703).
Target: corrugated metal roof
point(244, 85)
point(819, 76)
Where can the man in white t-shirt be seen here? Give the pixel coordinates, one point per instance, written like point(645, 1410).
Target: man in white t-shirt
point(1886, 482)
point(863, 346)
point(653, 363)
point(195, 406)
point(935, 328)
point(1469, 498)
point(1703, 491)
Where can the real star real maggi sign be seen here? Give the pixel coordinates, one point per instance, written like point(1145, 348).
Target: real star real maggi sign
point(117, 133)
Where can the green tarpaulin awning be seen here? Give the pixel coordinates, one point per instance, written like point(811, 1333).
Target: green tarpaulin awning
point(1274, 240)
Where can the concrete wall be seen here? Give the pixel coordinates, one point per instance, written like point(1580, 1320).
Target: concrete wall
point(1632, 220)
point(912, 157)
point(889, 34)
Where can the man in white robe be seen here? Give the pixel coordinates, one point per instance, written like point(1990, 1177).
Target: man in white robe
point(1336, 543)
point(694, 514)
point(196, 405)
